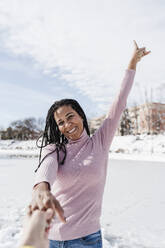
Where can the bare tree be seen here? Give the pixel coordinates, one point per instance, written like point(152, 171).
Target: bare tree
point(125, 123)
point(40, 124)
point(29, 128)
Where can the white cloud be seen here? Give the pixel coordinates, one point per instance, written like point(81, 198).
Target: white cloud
point(19, 102)
point(90, 42)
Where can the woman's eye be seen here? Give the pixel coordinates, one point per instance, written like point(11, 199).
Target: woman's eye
point(60, 123)
point(70, 116)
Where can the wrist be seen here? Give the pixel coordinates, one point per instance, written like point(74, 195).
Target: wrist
point(42, 186)
point(34, 244)
point(28, 243)
point(132, 64)
point(28, 246)
point(28, 240)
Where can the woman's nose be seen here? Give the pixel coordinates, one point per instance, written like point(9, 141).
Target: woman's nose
point(67, 124)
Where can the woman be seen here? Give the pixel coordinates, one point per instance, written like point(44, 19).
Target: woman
point(71, 176)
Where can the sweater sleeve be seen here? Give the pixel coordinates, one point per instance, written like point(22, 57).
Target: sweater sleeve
point(48, 169)
point(106, 132)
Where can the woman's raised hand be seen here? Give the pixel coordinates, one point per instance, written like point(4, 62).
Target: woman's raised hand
point(43, 199)
point(139, 52)
point(137, 55)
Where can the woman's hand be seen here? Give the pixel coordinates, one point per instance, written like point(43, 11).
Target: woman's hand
point(43, 199)
point(137, 55)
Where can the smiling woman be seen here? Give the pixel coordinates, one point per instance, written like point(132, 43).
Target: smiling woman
point(72, 175)
point(69, 122)
point(65, 121)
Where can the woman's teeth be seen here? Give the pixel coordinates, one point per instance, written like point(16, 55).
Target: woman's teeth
point(72, 130)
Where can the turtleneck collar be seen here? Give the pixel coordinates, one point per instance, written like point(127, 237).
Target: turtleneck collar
point(84, 136)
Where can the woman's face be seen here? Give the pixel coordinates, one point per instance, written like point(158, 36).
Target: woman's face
point(69, 122)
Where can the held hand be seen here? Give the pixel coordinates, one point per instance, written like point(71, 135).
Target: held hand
point(36, 227)
point(137, 55)
point(42, 200)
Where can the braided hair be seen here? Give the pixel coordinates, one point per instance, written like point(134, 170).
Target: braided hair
point(52, 134)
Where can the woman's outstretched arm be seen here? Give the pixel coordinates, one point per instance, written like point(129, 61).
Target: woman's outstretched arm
point(107, 130)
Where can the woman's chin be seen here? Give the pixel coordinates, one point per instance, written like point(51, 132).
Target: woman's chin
point(74, 137)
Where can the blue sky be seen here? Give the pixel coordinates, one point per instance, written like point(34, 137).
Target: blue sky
point(77, 49)
point(26, 92)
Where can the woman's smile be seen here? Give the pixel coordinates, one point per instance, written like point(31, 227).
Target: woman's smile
point(72, 130)
point(69, 122)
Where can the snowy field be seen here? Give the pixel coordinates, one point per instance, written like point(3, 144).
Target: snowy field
point(141, 147)
point(133, 213)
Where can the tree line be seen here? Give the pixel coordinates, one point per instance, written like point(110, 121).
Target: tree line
point(29, 128)
point(32, 128)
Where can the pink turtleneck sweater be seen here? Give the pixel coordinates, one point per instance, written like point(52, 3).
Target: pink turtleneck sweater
point(79, 184)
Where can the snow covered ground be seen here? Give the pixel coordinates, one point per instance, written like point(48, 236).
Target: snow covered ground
point(141, 147)
point(133, 213)
point(133, 208)
point(134, 202)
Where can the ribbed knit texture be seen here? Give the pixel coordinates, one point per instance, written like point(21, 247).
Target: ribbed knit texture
point(79, 184)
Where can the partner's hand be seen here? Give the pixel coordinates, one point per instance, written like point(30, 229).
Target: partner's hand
point(36, 227)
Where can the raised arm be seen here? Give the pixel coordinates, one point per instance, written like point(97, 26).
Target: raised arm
point(107, 130)
point(120, 101)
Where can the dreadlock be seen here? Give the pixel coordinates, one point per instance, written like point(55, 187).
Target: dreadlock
point(52, 135)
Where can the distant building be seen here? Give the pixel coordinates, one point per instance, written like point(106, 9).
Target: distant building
point(147, 118)
point(95, 123)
